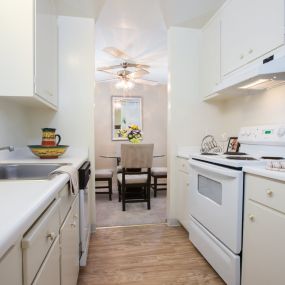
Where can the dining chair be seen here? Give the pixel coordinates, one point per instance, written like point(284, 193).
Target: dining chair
point(158, 173)
point(136, 162)
point(104, 175)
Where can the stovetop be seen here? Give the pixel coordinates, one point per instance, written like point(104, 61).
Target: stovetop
point(236, 161)
point(258, 145)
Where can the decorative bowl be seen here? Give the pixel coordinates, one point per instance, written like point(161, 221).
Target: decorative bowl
point(48, 152)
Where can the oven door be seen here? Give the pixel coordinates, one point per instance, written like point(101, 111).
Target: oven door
point(216, 197)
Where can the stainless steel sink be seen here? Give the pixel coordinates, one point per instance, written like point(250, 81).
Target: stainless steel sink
point(33, 171)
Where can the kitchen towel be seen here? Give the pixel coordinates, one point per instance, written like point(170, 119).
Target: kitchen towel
point(73, 177)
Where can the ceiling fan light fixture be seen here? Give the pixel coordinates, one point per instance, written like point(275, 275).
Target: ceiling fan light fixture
point(125, 84)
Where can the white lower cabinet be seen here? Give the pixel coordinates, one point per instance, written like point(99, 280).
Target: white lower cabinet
point(11, 266)
point(69, 242)
point(182, 193)
point(50, 270)
point(48, 253)
point(264, 235)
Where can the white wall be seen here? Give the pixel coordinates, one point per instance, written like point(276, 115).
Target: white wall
point(154, 100)
point(189, 117)
point(74, 118)
point(14, 127)
point(251, 110)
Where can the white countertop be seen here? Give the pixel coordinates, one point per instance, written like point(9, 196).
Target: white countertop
point(262, 171)
point(187, 151)
point(22, 201)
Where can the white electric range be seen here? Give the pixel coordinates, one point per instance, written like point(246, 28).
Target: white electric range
point(216, 197)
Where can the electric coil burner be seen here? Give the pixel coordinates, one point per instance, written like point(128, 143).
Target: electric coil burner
point(240, 158)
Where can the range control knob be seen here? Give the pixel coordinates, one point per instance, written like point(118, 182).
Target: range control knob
point(281, 132)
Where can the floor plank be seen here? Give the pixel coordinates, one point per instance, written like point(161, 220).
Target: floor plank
point(149, 254)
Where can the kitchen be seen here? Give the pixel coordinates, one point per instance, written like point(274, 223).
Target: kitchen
point(196, 70)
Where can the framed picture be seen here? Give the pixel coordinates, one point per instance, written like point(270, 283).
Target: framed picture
point(233, 144)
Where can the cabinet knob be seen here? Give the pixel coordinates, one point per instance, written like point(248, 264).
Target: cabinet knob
point(241, 56)
point(251, 217)
point(269, 193)
point(51, 236)
point(188, 184)
point(73, 225)
point(250, 51)
point(75, 216)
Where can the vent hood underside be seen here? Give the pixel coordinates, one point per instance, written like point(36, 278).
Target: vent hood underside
point(253, 79)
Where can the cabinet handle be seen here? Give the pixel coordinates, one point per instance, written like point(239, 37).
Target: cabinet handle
point(250, 51)
point(51, 236)
point(251, 217)
point(269, 193)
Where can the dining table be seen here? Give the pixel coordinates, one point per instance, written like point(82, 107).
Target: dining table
point(118, 157)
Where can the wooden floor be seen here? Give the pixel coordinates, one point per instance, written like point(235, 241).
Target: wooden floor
point(145, 255)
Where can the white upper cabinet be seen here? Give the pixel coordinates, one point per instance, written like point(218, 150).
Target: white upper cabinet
point(28, 51)
point(249, 30)
point(210, 72)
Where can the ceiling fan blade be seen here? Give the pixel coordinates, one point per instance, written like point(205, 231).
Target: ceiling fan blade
point(104, 68)
point(116, 52)
point(138, 65)
point(110, 72)
point(146, 82)
point(138, 74)
point(107, 80)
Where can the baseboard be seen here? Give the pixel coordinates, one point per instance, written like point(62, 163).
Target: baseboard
point(173, 222)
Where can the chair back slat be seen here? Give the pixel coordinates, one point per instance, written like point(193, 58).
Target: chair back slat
point(136, 155)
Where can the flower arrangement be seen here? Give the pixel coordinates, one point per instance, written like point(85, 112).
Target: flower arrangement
point(132, 133)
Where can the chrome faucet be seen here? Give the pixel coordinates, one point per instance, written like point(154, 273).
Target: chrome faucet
point(10, 148)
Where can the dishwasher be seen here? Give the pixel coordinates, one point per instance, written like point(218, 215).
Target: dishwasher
point(84, 211)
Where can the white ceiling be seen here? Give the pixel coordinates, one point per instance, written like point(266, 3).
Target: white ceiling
point(139, 27)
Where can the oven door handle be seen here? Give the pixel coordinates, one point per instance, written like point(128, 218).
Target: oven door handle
point(214, 169)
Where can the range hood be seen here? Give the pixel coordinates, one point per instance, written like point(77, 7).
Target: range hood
point(253, 78)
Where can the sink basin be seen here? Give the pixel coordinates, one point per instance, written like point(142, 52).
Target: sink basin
point(31, 171)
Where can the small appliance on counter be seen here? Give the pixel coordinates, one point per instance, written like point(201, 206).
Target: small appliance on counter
point(50, 148)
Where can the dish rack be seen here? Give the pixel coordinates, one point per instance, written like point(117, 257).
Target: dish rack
point(209, 145)
point(276, 165)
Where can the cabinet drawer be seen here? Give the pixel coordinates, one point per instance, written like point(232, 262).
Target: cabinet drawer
point(266, 191)
point(50, 270)
point(183, 165)
point(66, 199)
point(37, 242)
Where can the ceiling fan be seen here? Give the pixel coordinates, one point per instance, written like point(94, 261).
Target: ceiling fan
point(127, 72)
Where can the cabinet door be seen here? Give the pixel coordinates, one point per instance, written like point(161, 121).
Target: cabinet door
point(265, 27)
point(11, 266)
point(69, 241)
point(186, 203)
point(249, 30)
point(182, 203)
point(233, 35)
point(263, 246)
point(210, 56)
point(46, 50)
point(50, 269)
point(16, 48)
